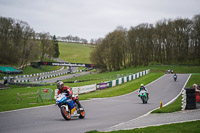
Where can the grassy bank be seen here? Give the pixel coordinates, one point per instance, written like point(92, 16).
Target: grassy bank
point(75, 53)
point(186, 127)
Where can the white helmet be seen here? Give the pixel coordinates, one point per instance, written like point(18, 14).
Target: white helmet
point(60, 84)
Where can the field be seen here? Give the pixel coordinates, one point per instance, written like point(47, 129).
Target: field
point(75, 53)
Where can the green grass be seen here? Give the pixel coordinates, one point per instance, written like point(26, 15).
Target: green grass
point(8, 99)
point(41, 69)
point(173, 107)
point(107, 76)
point(123, 88)
point(176, 105)
point(176, 68)
point(75, 53)
point(186, 127)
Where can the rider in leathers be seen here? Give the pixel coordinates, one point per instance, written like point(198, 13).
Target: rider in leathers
point(66, 89)
point(143, 88)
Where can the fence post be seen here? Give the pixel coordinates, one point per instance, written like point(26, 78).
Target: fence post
point(38, 96)
point(17, 98)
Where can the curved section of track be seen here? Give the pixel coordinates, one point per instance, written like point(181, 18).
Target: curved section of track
point(100, 113)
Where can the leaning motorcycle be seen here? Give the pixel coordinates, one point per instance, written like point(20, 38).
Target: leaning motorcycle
point(143, 96)
point(69, 108)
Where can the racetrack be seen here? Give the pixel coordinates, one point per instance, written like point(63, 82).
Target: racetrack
point(100, 113)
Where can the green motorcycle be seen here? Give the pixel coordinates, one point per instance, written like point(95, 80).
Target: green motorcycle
point(143, 96)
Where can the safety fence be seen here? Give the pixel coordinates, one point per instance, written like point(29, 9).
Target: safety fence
point(26, 96)
point(106, 84)
point(44, 94)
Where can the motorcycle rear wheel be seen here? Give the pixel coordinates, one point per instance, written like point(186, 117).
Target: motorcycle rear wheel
point(65, 114)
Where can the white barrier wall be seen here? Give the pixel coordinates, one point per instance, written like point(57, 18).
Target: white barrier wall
point(125, 79)
point(84, 89)
point(130, 77)
point(120, 81)
point(138, 74)
point(113, 83)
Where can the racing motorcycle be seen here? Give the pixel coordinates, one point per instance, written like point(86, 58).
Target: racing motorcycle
point(69, 108)
point(175, 77)
point(143, 96)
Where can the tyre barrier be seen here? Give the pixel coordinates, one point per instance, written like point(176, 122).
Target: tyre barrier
point(37, 74)
point(40, 78)
point(188, 98)
point(29, 85)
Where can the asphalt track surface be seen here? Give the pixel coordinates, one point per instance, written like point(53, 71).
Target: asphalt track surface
point(100, 113)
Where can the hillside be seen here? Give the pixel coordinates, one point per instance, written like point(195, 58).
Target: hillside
point(75, 53)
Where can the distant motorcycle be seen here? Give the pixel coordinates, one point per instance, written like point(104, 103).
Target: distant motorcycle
point(143, 96)
point(69, 108)
point(175, 77)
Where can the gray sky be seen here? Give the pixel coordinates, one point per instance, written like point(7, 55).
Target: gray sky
point(92, 19)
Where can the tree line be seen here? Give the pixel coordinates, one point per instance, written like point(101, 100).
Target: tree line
point(74, 39)
point(20, 44)
point(165, 42)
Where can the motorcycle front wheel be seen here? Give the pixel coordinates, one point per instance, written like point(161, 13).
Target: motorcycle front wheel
point(143, 99)
point(82, 114)
point(66, 114)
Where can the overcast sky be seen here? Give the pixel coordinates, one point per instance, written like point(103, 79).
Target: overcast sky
point(92, 19)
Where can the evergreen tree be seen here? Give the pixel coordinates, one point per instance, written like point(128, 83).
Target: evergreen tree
point(56, 47)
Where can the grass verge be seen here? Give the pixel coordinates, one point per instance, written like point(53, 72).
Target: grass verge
point(75, 53)
point(185, 127)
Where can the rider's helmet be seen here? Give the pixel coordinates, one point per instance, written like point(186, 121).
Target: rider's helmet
point(60, 84)
point(142, 85)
